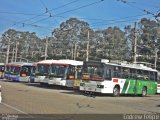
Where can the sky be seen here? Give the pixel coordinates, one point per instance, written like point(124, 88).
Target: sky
point(42, 16)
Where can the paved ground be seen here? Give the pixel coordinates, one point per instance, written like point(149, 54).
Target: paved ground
point(27, 99)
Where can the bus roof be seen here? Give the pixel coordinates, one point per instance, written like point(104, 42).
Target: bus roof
point(62, 61)
point(134, 66)
point(20, 64)
point(68, 61)
point(46, 61)
point(2, 64)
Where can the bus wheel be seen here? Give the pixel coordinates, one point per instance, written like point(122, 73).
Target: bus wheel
point(144, 92)
point(116, 91)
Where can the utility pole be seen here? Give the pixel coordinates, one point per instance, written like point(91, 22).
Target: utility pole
point(75, 50)
point(8, 48)
point(72, 51)
point(46, 48)
point(135, 43)
point(156, 56)
point(13, 54)
point(87, 52)
point(16, 51)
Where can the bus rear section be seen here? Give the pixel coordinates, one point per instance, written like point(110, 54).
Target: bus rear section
point(2, 69)
point(118, 79)
point(64, 73)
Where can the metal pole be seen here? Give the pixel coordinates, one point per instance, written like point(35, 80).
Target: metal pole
point(75, 50)
point(72, 51)
point(135, 43)
point(46, 48)
point(8, 48)
point(155, 62)
point(12, 55)
point(16, 51)
point(87, 52)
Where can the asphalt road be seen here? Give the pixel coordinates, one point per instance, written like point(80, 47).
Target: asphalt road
point(29, 99)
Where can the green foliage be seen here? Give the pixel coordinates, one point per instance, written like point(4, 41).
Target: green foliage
point(73, 35)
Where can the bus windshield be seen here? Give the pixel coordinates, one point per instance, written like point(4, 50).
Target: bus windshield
point(33, 70)
point(26, 70)
point(2, 68)
point(93, 72)
point(43, 69)
point(16, 70)
point(58, 70)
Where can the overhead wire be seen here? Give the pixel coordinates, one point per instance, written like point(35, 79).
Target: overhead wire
point(69, 11)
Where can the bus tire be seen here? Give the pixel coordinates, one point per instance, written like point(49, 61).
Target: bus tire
point(116, 91)
point(144, 92)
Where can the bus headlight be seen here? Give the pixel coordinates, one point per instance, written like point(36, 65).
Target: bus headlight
point(100, 86)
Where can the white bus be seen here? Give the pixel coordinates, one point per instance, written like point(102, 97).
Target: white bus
point(116, 79)
point(2, 68)
point(42, 71)
point(158, 85)
point(0, 94)
point(64, 72)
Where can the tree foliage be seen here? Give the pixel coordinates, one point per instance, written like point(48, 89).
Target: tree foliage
point(70, 41)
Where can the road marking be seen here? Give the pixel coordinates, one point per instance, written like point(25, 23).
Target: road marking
point(14, 108)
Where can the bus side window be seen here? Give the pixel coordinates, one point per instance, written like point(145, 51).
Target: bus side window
point(107, 74)
point(152, 76)
point(146, 75)
point(140, 74)
point(125, 72)
point(117, 72)
point(133, 73)
point(156, 76)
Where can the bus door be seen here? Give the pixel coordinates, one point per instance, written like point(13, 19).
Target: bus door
point(139, 82)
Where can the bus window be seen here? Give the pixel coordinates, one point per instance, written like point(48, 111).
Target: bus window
point(140, 74)
point(2, 68)
point(71, 72)
point(152, 76)
point(78, 72)
point(42, 69)
point(156, 76)
point(146, 75)
point(25, 71)
point(109, 72)
point(16, 70)
point(133, 74)
point(117, 71)
point(125, 72)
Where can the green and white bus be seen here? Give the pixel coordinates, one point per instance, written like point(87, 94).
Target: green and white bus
point(116, 79)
